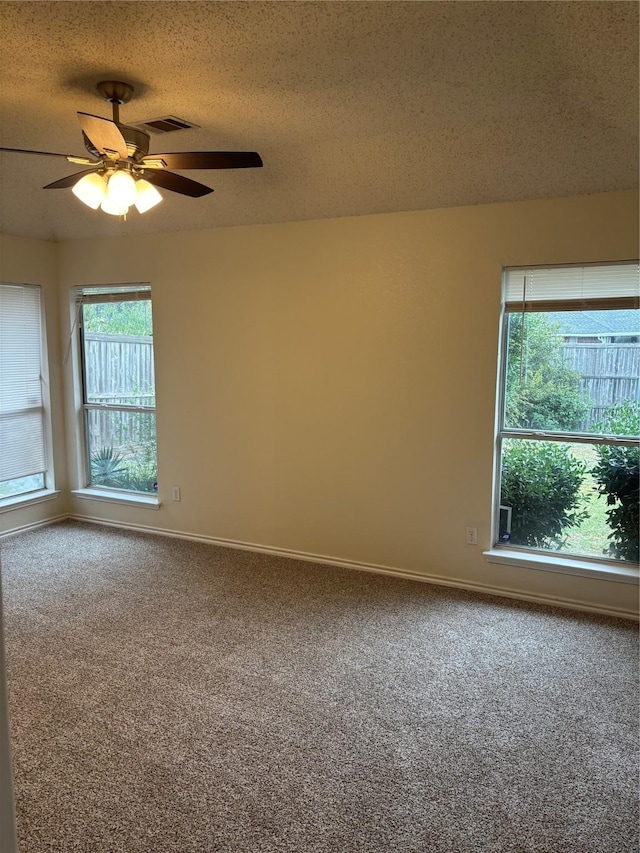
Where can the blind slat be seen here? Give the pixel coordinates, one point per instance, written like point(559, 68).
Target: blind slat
point(22, 445)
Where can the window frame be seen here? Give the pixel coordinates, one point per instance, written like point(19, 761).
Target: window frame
point(507, 552)
point(105, 294)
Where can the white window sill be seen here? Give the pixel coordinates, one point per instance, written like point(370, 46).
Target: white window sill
point(619, 572)
point(124, 498)
point(19, 501)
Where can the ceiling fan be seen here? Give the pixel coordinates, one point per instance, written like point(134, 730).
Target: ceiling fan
point(121, 172)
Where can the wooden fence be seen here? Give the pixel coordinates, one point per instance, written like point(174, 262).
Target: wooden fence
point(610, 374)
point(119, 371)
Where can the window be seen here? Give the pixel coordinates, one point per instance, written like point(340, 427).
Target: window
point(569, 411)
point(118, 388)
point(23, 427)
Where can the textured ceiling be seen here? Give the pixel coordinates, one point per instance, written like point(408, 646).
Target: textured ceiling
point(355, 107)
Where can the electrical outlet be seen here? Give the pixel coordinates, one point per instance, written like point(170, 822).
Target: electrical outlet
point(175, 493)
point(472, 535)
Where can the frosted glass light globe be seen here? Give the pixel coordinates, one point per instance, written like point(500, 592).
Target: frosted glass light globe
point(147, 195)
point(91, 189)
point(121, 190)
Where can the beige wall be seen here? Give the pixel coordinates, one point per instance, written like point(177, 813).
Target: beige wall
point(24, 261)
point(328, 387)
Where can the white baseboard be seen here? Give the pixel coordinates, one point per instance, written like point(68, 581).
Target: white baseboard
point(321, 559)
point(22, 528)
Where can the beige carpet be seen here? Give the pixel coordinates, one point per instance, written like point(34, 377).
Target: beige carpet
point(172, 697)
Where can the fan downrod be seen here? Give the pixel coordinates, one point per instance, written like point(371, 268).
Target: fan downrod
point(116, 93)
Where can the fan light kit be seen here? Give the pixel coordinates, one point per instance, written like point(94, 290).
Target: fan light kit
point(121, 172)
point(116, 192)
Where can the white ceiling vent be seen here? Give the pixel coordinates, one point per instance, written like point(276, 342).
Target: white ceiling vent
point(165, 124)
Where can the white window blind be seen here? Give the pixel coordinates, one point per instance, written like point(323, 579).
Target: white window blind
point(22, 437)
point(121, 293)
point(593, 286)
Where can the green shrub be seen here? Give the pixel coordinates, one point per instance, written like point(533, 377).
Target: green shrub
point(138, 441)
point(108, 468)
point(141, 474)
point(541, 391)
point(136, 472)
point(541, 483)
point(617, 473)
point(552, 405)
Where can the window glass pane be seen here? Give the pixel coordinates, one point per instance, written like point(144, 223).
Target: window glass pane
point(122, 450)
point(118, 353)
point(579, 499)
point(21, 486)
point(571, 371)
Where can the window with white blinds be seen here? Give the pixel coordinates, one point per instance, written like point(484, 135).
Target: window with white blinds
point(22, 428)
point(568, 416)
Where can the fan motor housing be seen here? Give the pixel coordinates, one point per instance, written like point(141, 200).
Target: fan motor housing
point(137, 142)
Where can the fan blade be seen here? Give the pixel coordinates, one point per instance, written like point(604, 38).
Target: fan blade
point(81, 161)
point(176, 183)
point(69, 181)
point(209, 159)
point(104, 134)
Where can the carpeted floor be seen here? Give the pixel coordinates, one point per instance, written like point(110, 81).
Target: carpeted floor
point(174, 697)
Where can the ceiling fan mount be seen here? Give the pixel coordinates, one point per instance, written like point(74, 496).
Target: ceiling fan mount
point(115, 91)
point(120, 159)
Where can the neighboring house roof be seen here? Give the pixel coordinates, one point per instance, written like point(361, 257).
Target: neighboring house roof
point(596, 323)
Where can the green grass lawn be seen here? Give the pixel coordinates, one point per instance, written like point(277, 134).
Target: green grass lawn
point(590, 538)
